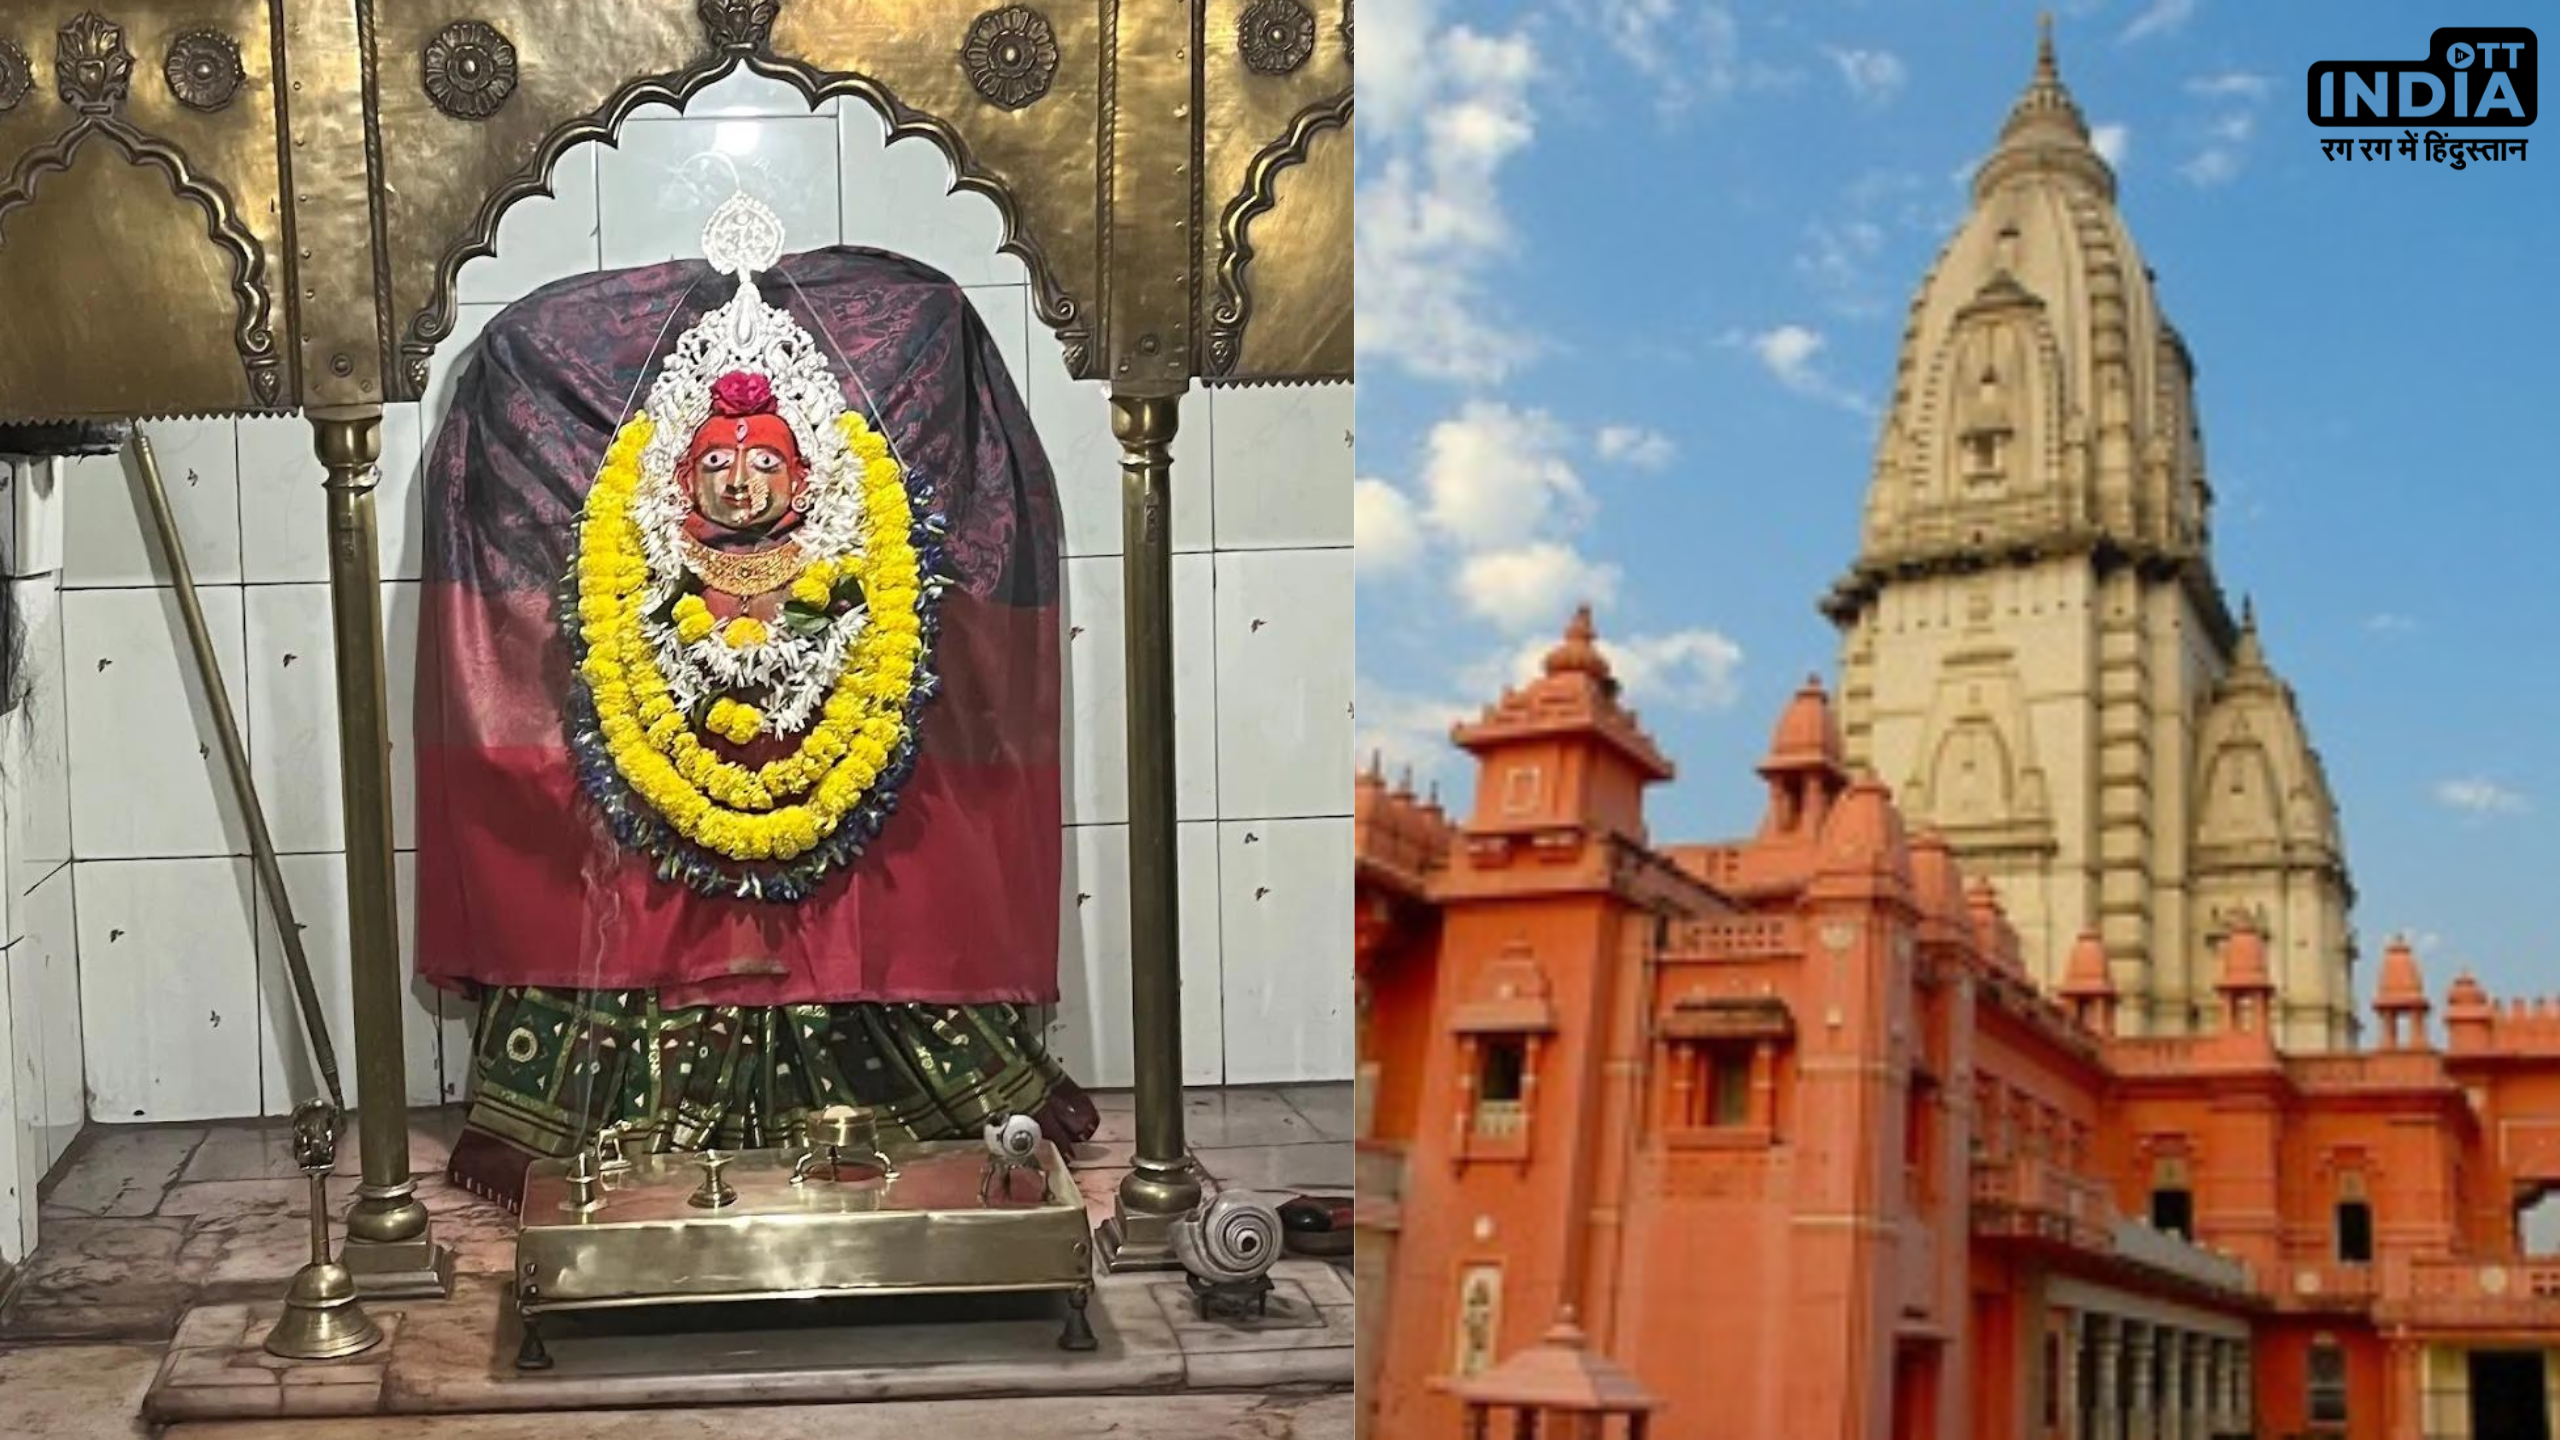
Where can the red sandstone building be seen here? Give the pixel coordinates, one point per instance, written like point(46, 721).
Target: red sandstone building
point(1796, 1136)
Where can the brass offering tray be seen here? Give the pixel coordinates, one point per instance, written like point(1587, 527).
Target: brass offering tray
point(639, 1232)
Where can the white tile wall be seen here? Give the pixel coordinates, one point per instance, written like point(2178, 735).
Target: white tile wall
point(41, 1100)
point(168, 988)
point(290, 684)
point(895, 199)
point(665, 178)
point(1284, 683)
point(1074, 418)
point(1281, 459)
point(1284, 912)
point(284, 514)
point(436, 1038)
point(35, 790)
point(18, 1175)
point(18, 1172)
point(44, 986)
point(33, 514)
point(1097, 712)
point(146, 780)
point(107, 535)
point(1090, 1029)
point(1261, 518)
point(543, 239)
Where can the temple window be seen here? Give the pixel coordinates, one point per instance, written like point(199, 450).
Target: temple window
point(1508, 1019)
point(1502, 1076)
point(2355, 1232)
point(1985, 454)
point(2173, 1212)
point(2326, 1402)
point(1728, 1086)
point(1720, 1069)
point(2354, 1220)
point(2173, 1204)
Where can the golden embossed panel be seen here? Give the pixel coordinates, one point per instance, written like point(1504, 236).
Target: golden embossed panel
point(167, 211)
point(177, 291)
point(1176, 173)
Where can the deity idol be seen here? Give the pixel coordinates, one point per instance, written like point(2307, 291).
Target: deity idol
point(810, 724)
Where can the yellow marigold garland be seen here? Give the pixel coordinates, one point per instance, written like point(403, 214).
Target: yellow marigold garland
point(718, 804)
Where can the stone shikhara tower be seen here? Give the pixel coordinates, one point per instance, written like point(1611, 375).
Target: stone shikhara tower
point(2036, 655)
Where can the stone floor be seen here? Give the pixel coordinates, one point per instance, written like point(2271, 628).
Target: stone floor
point(202, 1224)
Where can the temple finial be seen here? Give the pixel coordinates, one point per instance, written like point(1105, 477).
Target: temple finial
point(2044, 42)
point(1580, 650)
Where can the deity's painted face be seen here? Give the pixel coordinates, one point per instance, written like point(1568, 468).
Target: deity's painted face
point(744, 468)
point(742, 486)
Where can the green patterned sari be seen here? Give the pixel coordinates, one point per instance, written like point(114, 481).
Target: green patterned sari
point(552, 1067)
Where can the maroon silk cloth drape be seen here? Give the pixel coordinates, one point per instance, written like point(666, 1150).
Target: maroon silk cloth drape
point(520, 882)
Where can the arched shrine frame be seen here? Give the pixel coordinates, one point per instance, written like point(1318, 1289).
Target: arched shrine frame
point(232, 207)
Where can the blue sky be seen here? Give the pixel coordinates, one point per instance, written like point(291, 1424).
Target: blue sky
point(1631, 281)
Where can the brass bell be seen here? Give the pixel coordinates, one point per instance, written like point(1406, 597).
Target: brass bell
point(322, 1319)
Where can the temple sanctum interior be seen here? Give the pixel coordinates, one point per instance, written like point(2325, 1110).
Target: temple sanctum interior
point(675, 685)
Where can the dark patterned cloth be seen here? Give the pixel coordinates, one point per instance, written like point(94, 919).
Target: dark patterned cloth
point(520, 883)
point(553, 1068)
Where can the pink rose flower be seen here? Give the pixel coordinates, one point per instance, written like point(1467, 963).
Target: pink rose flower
point(741, 392)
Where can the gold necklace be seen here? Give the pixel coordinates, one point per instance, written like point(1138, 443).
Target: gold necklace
point(744, 575)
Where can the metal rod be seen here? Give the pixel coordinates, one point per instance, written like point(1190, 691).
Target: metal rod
point(235, 758)
point(390, 1246)
point(1163, 1183)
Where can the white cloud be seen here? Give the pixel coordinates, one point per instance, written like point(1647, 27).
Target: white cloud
point(1636, 445)
point(1875, 76)
point(2230, 85)
point(1496, 475)
point(1429, 221)
point(1703, 60)
point(2212, 166)
point(1788, 353)
point(2224, 122)
point(1405, 730)
point(2164, 17)
point(1694, 669)
point(2234, 128)
point(2112, 142)
point(1386, 534)
point(1839, 262)
point(1395, 41)
point(2391, 623)
point(1525, 587)
point(2479, 796)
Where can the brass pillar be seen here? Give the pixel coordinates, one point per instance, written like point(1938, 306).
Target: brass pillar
point(390, 1245)
point(1163, 1183)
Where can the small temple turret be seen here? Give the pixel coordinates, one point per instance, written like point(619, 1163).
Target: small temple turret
point(2401, 998)
point(1804, 768)
point(2246, 984)
point(1562, 751)
point(2086, 987)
